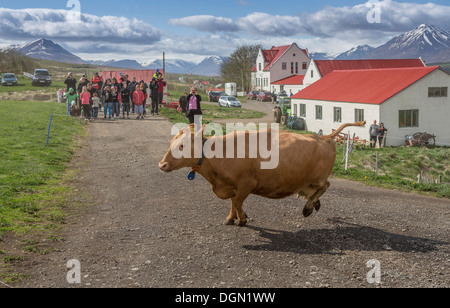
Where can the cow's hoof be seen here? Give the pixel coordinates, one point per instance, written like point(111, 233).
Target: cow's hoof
point(242, 223)
point(229, 222)
point(317, 205)
point(307, 212)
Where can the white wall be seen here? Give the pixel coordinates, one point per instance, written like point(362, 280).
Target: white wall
point(293, 55)
point(434, 113)
point(310, 79)
point(327, 124)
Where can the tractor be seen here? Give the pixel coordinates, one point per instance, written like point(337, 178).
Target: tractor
point(282, 111)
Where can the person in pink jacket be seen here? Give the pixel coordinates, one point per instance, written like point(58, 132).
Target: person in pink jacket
point(138, 99)
point(85, 97)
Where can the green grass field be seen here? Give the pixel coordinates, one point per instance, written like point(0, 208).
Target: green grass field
point(398, 168)
point(31, 172)
point(24, 84)
point(212, 113)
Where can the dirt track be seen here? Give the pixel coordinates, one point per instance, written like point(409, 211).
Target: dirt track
point(149, 229)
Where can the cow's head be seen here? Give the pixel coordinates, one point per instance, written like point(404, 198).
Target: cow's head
point(183, 143)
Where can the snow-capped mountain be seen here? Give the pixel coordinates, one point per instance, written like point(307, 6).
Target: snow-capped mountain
point(48, 50)
point(358, 52)
point(209, 67)
point(172, 66)
point(129, 64)
point(320, 56)
point(429, 42)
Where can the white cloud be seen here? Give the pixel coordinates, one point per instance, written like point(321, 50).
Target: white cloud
point(63, 25)
point(329, 22)
point(212, 24)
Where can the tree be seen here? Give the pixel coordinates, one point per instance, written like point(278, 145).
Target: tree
point(238, 67)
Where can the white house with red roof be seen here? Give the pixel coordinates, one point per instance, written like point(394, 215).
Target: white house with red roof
point(407, 100)
point(278, 63)
point(320, 68)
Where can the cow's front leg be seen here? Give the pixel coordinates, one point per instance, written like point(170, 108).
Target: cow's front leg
point(232, 217)
point(237, 203)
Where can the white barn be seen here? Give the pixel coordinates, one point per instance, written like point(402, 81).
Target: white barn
point(406, 100)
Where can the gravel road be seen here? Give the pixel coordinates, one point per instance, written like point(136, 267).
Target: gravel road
point(143, 228)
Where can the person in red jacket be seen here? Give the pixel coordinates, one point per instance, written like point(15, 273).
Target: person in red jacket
point(161, 85)
point(138, 99)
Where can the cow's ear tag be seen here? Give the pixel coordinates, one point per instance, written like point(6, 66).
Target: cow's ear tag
point(191, 176)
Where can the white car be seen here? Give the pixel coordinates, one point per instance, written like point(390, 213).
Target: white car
point(229, 101)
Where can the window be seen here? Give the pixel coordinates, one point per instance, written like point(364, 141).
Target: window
point(296, 110)
point(296, 67)
point(337, 114)
point(359, 115)
point(294, 54)
point(259, 66)
point(292, 68)
point(304, 64)
point(408, 118)
point(312, 74)
point(437, 92)
point(284, 66)
point(318, 112)
point(303, 110)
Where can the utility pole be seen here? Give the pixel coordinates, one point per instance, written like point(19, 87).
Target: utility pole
point(164, 64)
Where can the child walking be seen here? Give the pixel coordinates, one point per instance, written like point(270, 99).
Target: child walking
point(85, 96)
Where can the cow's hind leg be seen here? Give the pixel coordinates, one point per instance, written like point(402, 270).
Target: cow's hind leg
point(314, 202)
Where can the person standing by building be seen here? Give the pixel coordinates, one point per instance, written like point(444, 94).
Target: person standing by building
point(373, 134)
point(382, 131)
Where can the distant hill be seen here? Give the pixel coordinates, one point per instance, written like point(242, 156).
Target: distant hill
point(129, 64)
point(356, 53)
point(48, 50)
point(209, 67)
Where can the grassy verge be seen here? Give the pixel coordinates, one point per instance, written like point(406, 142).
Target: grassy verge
point(32, 191)
point(399, 168)
point(212, 113)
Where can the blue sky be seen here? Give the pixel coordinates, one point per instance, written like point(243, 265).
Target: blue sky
point(192, 30)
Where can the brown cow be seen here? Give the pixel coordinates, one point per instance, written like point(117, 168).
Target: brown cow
point(305, 164)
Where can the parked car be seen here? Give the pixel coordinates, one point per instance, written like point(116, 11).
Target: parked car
point(41, 77)
point(215, 95)
point(229, 101)
point(9, 79)
point(264, 97)
point(252, 95)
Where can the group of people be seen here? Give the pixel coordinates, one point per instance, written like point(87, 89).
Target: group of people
point(377, 133)
point(89, 97)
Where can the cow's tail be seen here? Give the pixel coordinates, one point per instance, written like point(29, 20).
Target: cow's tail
point(359, 124)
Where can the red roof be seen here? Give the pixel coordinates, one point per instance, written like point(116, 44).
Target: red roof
point(327, 66)
point(293, 80)
point(363, 86)
point(274, 54)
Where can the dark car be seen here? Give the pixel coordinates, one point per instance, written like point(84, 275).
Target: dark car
point(264, 97)
point(41, 77)
point(252, 95)
point(215, 95)
point(9, 79)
